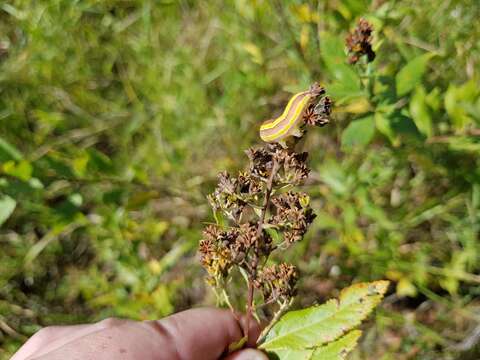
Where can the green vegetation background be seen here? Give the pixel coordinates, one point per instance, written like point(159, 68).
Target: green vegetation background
point(116, 116)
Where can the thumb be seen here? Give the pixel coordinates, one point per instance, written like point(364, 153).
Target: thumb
point(247, 354)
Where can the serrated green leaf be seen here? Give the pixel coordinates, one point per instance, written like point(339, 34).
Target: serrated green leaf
point(7, 205)
point(339, 349)
point(291, 354)
point(411, 74)
point(359, 132)
point(419, 112)
point(319, 325)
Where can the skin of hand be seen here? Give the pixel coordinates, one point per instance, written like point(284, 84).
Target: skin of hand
point(203, 334)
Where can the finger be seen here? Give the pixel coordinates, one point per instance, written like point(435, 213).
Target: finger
point(247, 354)
point(45, 337)
point(53, 337)
point(194, 334)
point(254, 330)
point(201, 332)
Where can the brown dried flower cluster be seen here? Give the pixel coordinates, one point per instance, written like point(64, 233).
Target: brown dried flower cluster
point(359, 42)
point(292, 168)
point(319, 114)
point(277, 282)
point(256, 215)
point(293, 215)
point(240, 199)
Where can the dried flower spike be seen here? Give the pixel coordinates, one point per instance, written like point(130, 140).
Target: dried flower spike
point(359, 42)
point(254, 204)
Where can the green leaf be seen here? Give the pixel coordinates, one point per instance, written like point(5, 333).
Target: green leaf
point(21, 170)
point(333, 54)
point(419, 112)
point(318, 325)
point(433, 99)
point(456, 103)
point(411, 74)
point(338, 349)
point(342, 91)
point(7, 205)
point(359, 132)
point(464, 144)
point(384, 126)
point(8, 151)
point(291, 354)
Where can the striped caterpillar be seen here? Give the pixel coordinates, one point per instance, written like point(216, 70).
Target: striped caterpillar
point(306, 107)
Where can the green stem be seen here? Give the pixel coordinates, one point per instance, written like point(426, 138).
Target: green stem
point(227, 301)
point(283, 308)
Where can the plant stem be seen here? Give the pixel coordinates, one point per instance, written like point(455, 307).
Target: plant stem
point(253, 274)
point(249, 305)
point(283, 308)
point(227, 301)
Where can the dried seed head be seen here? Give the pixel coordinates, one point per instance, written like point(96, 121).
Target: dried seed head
point(318, 114)
point(233, 194)
point(359, 42)
point(249, 184)
point(219, 251)
point(294, 168)
point(252, 203)
point(277, 282)
point(319, 110)
point(293, 215)
point(261, 161)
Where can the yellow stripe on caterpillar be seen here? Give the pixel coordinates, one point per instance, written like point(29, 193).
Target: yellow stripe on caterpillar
point(290, 122)
point(274, 122)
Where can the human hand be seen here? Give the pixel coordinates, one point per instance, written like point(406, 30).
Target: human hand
point(203, 334)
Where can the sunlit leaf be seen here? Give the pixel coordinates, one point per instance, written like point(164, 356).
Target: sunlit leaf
point(319, 325)
point(333, 54)
point(335, 177)
point(463, 143)
point(339, 349)
point(406, 288)
point(255, 52)
point(419, 112)
point(384, 126)
point(433, 99)
point(21, 170)
point(291, 354)
point(411, 74)
point(456, 100)
point(7, 205)
point(8, 151)
point(359, 105)
point(304, 37)
point(359, 132)
point(304, 13)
